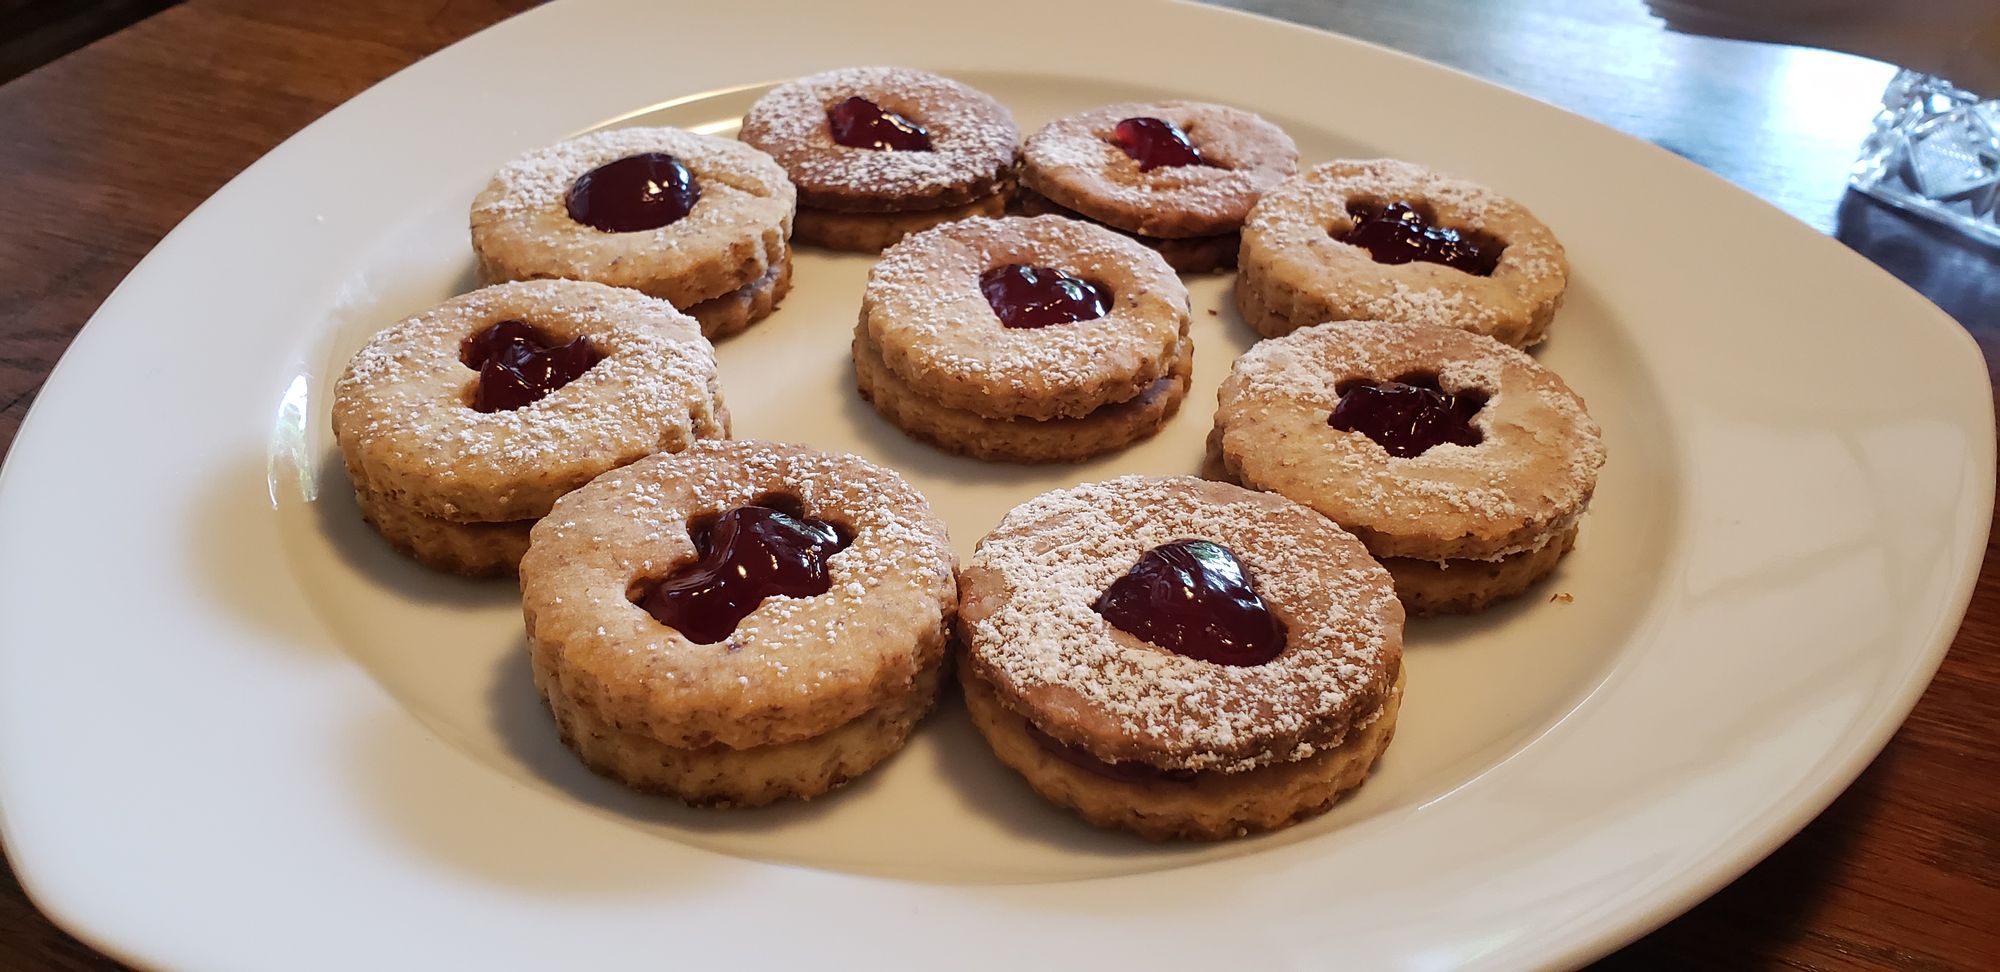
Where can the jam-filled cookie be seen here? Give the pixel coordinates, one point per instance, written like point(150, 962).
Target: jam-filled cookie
point(699, 221)
point(1033, 339)
point(460, 426)
point(1180, 658)
point(739, 623)
point(1180, 176)
point(1462, 463)
point(878, 153)
point(1393, 241)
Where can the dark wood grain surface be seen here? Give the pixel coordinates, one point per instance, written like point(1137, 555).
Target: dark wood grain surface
point(103, 151)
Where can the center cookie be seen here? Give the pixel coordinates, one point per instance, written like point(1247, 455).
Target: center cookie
point(1179, 658)
point(1028, 339)
point(739, 623)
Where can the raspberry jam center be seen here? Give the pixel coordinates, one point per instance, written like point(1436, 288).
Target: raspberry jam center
point(1030, 296)
point(1126, 772)
point(1154, 143)
point(1193, 598)
point(860, 123)
point(1399, 232)
point(519, 365)
point(748, 553)
point(1409, 416)
point(638, 192)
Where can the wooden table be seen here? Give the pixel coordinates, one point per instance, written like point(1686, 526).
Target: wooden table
point(104, 151)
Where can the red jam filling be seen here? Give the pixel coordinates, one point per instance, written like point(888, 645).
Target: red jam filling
point(1408, 416)
point(1026, 296)
point(748, 553)
point(518, 365)
point(1154, 143)
point(639, 192)
point(1401, 233)
point(1193, 597)
point(1126, 772)
point(860, 123)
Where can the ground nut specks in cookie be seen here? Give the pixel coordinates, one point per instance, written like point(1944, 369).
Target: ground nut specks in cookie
point(802, 692)
point(1488, 518)
point(1297, 268)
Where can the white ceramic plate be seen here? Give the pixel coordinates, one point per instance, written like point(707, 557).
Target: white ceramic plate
point(238, 732)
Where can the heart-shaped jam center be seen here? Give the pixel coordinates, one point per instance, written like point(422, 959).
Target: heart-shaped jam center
point(1030, 296)
point(1193, 598)
point(1126, 772)
point(1400, 232)
point(1154, 143)
point(1409, 416)
point(860, 123)
point(748, 553)
point(638, 192)
point(519, 365)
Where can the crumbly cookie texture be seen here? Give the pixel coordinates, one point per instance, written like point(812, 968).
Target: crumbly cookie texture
point(406, 430)
point(1189, 254)
point(732, 312)
point(796, 669)
point(472, 549)
point(924, 313)
point(875, 232)
point(1074, 162)
point(974, 141)
point(1030, 632)
point(521, 229)
point(1293, 272)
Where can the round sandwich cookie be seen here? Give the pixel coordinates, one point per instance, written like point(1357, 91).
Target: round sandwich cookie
point(1180, 658)
point(1463, 464)
point(878, 153)
point(1031, 339)
point(461, 426)
point(1393, 241)
point(699, 221)
point(740, 622)
point(1179, 176)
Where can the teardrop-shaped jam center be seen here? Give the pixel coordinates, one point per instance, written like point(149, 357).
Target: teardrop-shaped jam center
point(1155, 143)
point(860, 123)
point(748, 554)
point(1194, 598)
point(1030, 296)
point(518, 365)
point(1125, 772)
point(635, 193)
point(1409, 416)
point(1401, 233)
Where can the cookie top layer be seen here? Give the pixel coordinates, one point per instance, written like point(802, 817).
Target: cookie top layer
point(1529, 477)
point(1030, 631)
point(1075, 163)
point(403, 417)
point(1290, 238)
point(521, 227)
point(925, 313)
point(793, 668)
point(974, 141)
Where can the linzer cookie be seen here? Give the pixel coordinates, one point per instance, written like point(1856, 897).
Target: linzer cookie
point(1463, 464)
point(1180, 658)
point(878, 153)
point(1029, 339)
point(739, 623)
point(1179, 176)
point(1388, 240)
point(699, 221)
point(459, 427)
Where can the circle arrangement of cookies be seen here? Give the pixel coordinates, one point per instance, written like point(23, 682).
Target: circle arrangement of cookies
point(738, 623)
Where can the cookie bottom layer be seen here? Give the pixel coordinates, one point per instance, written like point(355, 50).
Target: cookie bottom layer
point(1106, 429)
point(875, 232)
point(718, 776)
point(472, 549)
point(1210, 806)
point(732, 312)
point(1466, 586)
point(1190, 254)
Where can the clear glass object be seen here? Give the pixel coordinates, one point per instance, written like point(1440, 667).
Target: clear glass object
point(1935, 152)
